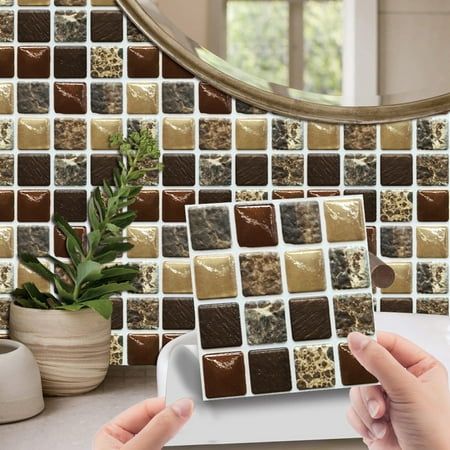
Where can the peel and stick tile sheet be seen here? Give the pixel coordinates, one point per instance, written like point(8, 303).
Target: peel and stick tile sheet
point(278, 286)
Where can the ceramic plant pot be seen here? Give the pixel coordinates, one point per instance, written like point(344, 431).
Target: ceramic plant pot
point(20, 390)
point(70, 347)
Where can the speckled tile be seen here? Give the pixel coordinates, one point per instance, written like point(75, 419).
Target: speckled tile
point(70, 26)
point(6, 242)
point(6, 26)
point(6, 170)
point(143, 314)
point(432, 133)
point(33, 98)
point(354, 313)
point(360, 170)
point(287, 170)
point(301, 223)
point(260, 274)
point(432, 278)
point(215, 170)
point(116, 350)
point(314, 366)
point(396, 206)
point(106, 98)
point(265, 322)
point(4, 314)
point(70, 134)
point(432, 242)
point(433, 305)
point(210, 228)
point(6, 278)
point(396, 242)
point(287, 134)
point(34, 240)
point(175, 242)
point(360, 137)
point(178, 98)
point(349, 268)
point(106, 62)
point(147, 282)
point(6, 134)
point(250, 195)
point(70, 170)
point(133, 33)
point(215, 277)
point(215, 134)
point(432, 170)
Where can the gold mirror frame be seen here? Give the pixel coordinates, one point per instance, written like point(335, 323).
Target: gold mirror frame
point(182, 49)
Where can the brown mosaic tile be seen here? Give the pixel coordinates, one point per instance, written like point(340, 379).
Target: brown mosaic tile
point(106, 26)
point(102, 167)
point(71, 204)
point(6, 62)
point(33, 206)
point(251, 170)
point(178, 313)
point(170, 69)
point(33, 25)
point(396, 170)
point(70, 98)
point(432, 206)
point(143, 349)
point(179, 169)
point(212, 101)
point(33, 170)
point(33, 62)
point(173, 203)
point(143, 62)
point(59, 241)
point(70, 62)
point(323, 170)
point(6, 206)
point(146, 206)
point(214, 196)
point(403, 305)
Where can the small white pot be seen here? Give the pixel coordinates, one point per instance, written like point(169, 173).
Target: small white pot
point(70, 347)
point(20, 389)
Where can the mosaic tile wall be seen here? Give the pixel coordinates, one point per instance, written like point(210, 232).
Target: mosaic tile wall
point(71, 73)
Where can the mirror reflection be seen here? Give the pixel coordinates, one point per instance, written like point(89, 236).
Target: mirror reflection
point(347, 52)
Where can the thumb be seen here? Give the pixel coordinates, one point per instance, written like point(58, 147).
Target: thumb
point(394, 378)
point(163, 427)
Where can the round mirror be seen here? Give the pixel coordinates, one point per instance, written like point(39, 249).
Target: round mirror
point(332, 60)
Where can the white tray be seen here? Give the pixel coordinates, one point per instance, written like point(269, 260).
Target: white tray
point(278, 418)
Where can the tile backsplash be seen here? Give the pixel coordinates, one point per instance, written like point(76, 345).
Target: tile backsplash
point(72, 73)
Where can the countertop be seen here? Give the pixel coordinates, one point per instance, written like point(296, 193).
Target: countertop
point(70, 423)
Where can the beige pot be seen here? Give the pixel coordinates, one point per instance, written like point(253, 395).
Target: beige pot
point(70, 347)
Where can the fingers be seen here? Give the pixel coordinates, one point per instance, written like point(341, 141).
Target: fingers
point(358, 425)
point(163, 427)
point(376, 427)
point(374, 401)
point(394, 378)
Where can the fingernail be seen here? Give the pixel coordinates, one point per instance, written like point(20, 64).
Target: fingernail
point(374, 407)
point(183, 408)
point(379, 430)
point(358, 341)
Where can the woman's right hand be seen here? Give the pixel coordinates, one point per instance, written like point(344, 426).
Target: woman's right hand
point(411, 408)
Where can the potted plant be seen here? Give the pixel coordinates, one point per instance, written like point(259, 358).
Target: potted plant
point(69, 330)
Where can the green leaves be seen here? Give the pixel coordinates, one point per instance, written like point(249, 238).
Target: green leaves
point(84, 281)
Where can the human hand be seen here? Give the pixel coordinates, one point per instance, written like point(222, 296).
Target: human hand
point(149, 425)
point(411, 408)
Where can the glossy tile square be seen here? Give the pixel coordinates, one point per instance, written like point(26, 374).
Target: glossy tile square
point(70, 98)
point(6, 98)
point(323, 169)
point(258, 295)
point(143, 62)
point(33, 25)
point(33, 206)
point(251, 170)
point(147, 282)
point(6, 26)
point(33, 239)
point(106, 62)
point(396, 206)
point(143, 314)
point(360, 170)
point(396, 242)
point(33, 134)
point(70, 62)
point(176, 277)
point(33, 62)
point(323, 136)
point(432, 242)
point(101, 130)
point(178, 134)
point(432, 170)
point(71, 204)
point(287, 170)
point(173, 204)
point(106, 26)
point(432, 206)
point(6, 242)
point(143, 349)
point(6, 170)
point(178, 313)
point(175, 242)
point(178, 98)
point(432, 278)
point(396, 136)
point(360, 137)
point(432, 133)
point(393, 304)
point(212, 101)
point(33, 170)
point(6, 62)
point(251, 134)
point(287, 134)
point(179, 169)
point(145, 241)
point(142, 98)
point(351, 371)
point(102, 167)
point(403, 279)
point(215, 170)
